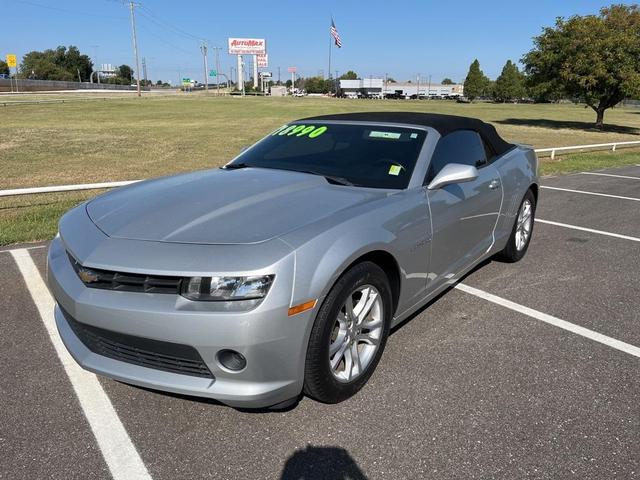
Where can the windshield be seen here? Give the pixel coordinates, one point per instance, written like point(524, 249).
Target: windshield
point(349, 154)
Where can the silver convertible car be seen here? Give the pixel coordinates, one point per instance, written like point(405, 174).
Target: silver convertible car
point(282, 272)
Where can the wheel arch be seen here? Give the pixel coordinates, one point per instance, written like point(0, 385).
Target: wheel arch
point(534, 189)
point(388, 263)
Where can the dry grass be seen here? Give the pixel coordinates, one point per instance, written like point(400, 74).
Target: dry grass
point(130, 138)
point(124, 139)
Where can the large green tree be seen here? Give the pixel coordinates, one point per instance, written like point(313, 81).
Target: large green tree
point(510, 84)
point(476, 84)
point(60, 64)
point(595, 58)
point(4, 68)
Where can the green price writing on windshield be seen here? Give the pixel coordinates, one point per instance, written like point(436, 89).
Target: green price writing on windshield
point(310, 131)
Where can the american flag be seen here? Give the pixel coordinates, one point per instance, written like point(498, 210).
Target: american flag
point(335, 34)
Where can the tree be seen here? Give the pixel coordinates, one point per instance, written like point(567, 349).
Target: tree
point(318, 85)
point(4, 68)
point(476, 84)
point(125, 72)
point(447, 81)
point(350, 75)
point(510, 84)
point(594, 57)
point(391, 80)
point(60, 64)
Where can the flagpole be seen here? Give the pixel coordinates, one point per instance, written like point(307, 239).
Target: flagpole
point(330, 41)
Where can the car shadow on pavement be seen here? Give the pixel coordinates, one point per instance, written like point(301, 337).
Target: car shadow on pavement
point(285, 407)
point(319, 463)
point(397, 327)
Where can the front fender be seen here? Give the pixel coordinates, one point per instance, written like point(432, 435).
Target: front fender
point(320, 262)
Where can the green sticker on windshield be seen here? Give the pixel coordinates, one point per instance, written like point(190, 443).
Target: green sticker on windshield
point(395, 170)
point(317, 132)
point(310, 131)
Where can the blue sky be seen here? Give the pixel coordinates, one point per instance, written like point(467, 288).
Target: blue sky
point(403, 39)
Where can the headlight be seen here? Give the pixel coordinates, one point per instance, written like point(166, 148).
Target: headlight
point(220, 289)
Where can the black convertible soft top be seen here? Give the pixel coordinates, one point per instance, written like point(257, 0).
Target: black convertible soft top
point(444, 124)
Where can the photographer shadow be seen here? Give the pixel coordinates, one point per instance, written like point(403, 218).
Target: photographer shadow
point(320, 463)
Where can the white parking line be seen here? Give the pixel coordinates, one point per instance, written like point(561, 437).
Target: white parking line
point(609, 175)
point(7, 250)
point(117, 449)
point(590, 230)
point(556, 322)
point(591, 193)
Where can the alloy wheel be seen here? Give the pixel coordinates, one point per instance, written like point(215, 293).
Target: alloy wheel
point(356, 333)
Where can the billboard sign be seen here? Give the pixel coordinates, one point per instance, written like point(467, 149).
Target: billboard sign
point(11, 60)
point(263, 60)
point(292, 69)
point(247, 46)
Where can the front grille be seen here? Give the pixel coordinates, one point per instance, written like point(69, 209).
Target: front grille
point(126, 282)
point(166, 356)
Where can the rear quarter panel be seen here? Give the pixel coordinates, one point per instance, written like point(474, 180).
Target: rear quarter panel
point(518, 170)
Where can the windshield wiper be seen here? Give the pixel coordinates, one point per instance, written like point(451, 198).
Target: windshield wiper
point(235, 166)
point(330, 178)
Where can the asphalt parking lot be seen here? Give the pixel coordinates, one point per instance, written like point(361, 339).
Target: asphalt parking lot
point(526, 370)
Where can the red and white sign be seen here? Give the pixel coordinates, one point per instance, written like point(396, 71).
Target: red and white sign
point(263, 60)
point(247, 46)
point(292, 69)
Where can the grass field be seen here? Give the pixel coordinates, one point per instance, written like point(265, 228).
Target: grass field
point(129, 138)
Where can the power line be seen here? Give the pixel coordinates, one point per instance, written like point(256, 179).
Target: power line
point(178, 31)
point(162, 39)
point(74, 12)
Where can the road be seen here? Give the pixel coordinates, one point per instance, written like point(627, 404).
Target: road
point(526, 370)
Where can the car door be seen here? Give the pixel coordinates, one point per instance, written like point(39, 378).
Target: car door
point(463, 215)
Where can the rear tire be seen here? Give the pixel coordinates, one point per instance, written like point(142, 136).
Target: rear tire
point(349, 334)
point(522, 231)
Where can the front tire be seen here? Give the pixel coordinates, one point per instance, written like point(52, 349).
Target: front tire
point(349, 334)
point(520, 237)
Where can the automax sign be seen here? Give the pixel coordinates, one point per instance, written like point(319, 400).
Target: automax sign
point(247, 46)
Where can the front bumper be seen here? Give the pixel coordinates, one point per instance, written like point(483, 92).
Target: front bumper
point(273, 343)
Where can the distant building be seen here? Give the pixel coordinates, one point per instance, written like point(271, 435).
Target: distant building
point(278, 91)
point(375, 87)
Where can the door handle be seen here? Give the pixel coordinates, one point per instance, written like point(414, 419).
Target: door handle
point(495, 183)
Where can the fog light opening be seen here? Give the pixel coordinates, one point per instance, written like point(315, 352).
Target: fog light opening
point(231, 360)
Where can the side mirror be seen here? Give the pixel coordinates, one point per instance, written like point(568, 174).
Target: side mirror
point(453, 173)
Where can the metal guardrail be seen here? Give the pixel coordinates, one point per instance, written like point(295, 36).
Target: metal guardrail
point(94, 186)
point(595, 146)
point(64, 188)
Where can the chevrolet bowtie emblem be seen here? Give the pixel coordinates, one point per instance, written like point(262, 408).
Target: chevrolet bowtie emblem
point(87, 276)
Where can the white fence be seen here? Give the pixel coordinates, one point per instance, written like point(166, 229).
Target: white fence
point(580, 148)
point(93, 186)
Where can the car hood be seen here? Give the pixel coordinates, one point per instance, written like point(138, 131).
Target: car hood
point(241, 206)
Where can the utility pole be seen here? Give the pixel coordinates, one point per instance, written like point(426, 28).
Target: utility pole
point(217, 49)
point(418, 92)
point(429, 92)
point(279, 76)
point(135, 45)
point(203, 48)
point(144, 70)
